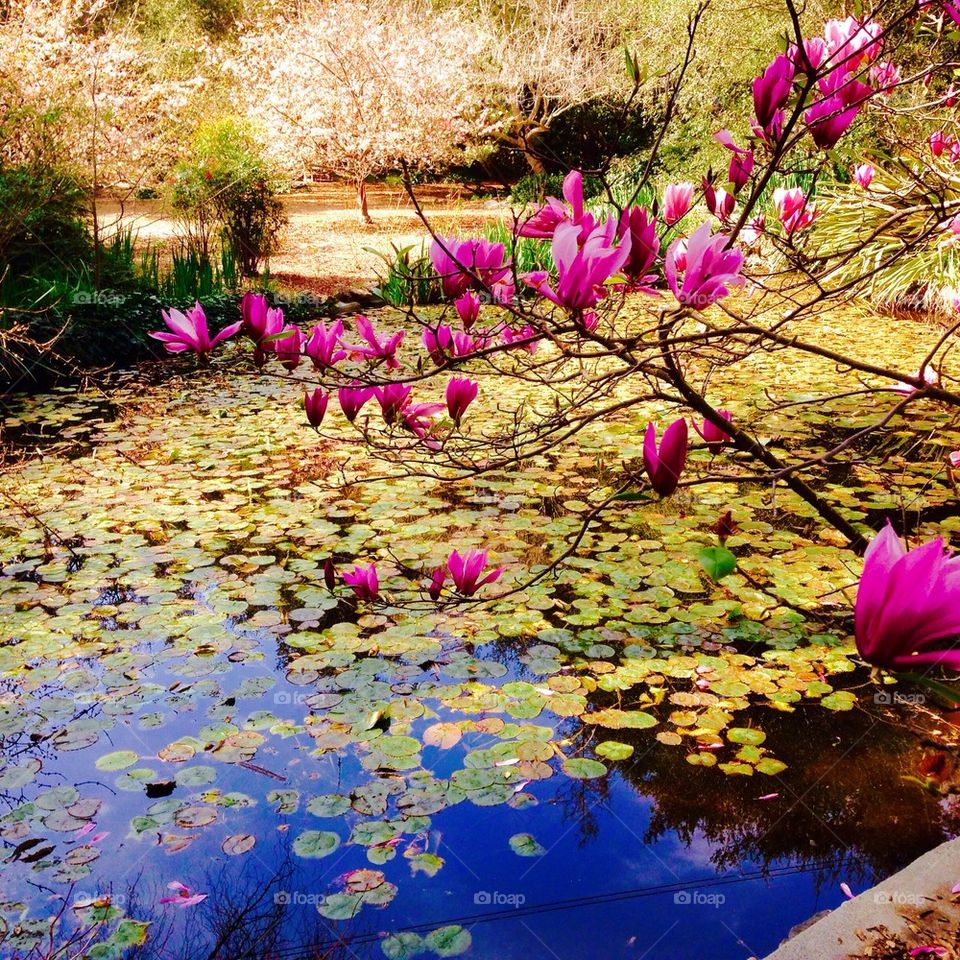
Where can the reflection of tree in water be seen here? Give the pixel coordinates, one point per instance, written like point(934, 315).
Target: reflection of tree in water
point(844, 795)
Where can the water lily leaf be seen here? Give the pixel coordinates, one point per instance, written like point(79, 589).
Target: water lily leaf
point(717, 562)
point(613, 750)
point(583, 768)
point(403, 946)
point(526, 845)
point(451, 941)
point(118, 760)
point(314, 844)
point(238, 844)
point(746, 735)
point(443, 735)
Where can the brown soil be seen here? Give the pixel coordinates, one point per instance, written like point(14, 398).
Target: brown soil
point(326, 249)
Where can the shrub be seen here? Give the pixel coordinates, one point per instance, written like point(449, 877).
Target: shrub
point(227, 192)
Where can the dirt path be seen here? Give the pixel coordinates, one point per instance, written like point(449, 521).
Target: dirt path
point(325, 248)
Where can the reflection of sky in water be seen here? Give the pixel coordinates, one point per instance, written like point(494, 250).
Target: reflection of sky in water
point(597, 884)
point(624, 852)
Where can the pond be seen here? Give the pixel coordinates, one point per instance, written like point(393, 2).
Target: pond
point(622, 759)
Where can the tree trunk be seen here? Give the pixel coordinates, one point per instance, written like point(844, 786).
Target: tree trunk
point(362, 201)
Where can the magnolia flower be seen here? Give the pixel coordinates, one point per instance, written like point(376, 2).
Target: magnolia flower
point(770, 93)
point(664, 465)
point(466, 571)
point(884, 76)
point(927, 374)
point(863, 175)
point(393, 398)
point(712, 435)
point(421, 420)
point(190, 332)
point(363, 581)
point(352, 399)
point(830, 117)
point(259, 319)
point(710, 267)
point(526, 337)
point(375, 348)
point(582, 269)
point(752, 232)
point(907, 601)
point(676, 202)
point(720, 203)
point(741, 163)
point(315, 403)
point(461, 392)
point(184, 896)
point(937, 141)
point(288, 346)
point(793, 209)
point(321, 345)
point(466, 264)
point(545, 220)
point(644, 245)
point(437, 580)
point(468, 309)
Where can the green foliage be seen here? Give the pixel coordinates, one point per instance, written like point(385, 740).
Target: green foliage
point(227, 192)
point(408, 278)
point(893, 219)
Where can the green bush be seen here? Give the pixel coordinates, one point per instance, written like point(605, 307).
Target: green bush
point(227, 194)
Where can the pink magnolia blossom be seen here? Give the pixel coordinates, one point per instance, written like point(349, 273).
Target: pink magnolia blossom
point(471, 264)
point(927, 374)
point(437, 580)
point(526, 337)
point(466, 571)
point(715, 438)
point(664, 465)
point(461, 392)
point(953, 11)
point(184, 896)
point(907, 601)
point(863, 175)
point(352, 399)
point(793, 209)
point(545, 220)
point(259, 319)
point(676, 202)
point(770, 92)
point(582, 269)
point(954, 459)
point(831, 116)
point(644, 245)
point(937, 142)
point(322, 345)
point(884, 77)
point(376, 349)
point(288, 346)
point(421, 419)
point(190, 332)
point(741, 163)
point(393, 398)
point(752, 231)
point(711, 267)
point(720, 203)
point(852, 43)
point(363, 581)
point(468, 309)
point(315, 403)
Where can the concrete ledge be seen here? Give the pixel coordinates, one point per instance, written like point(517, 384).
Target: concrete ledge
point(915, 903)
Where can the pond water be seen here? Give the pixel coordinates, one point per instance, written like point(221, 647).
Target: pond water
point(620, 761)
